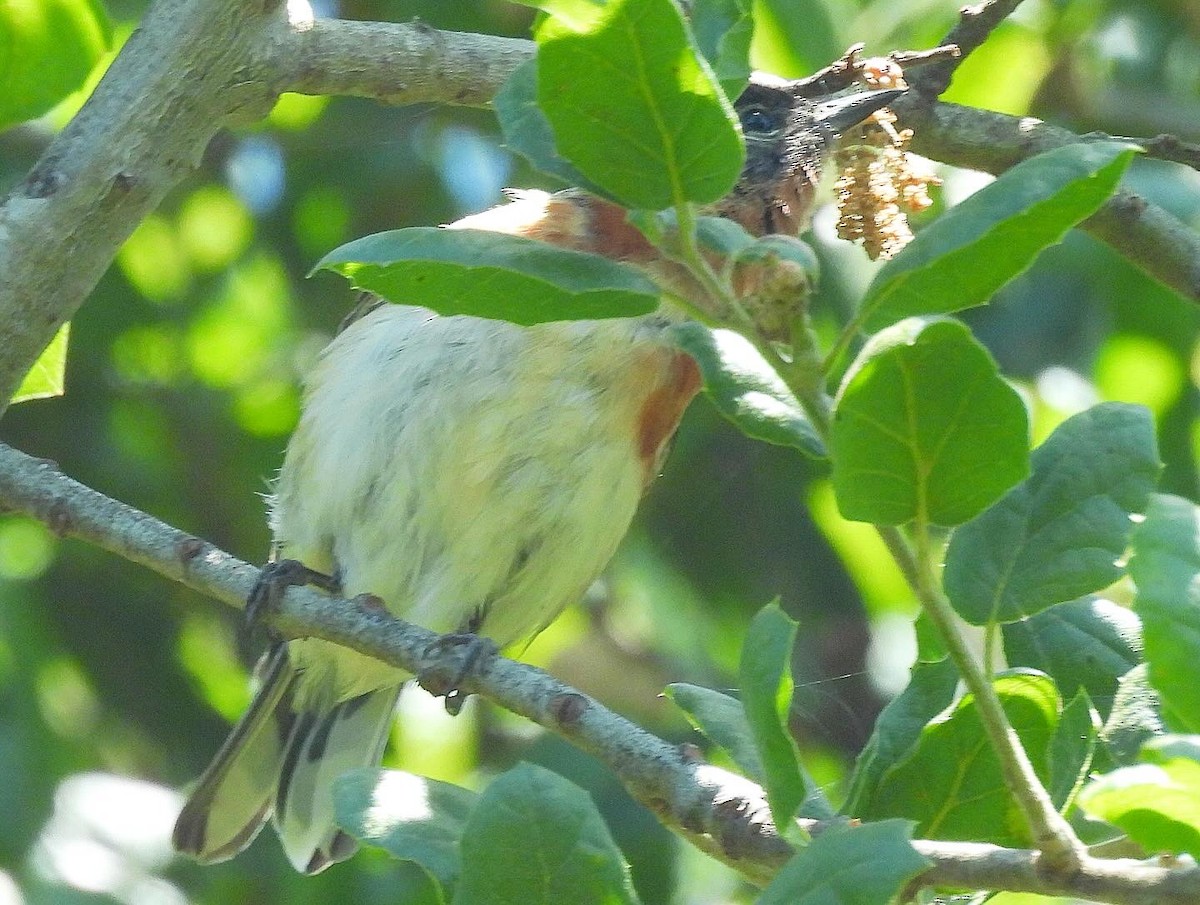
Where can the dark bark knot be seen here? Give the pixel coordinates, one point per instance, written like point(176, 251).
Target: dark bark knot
point(188, 549)
point(568, 709)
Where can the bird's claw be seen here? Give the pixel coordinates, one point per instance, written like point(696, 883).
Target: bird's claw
point(446, 684)
point(274, 580)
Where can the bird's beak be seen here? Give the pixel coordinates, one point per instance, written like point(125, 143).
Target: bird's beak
point(840, 114)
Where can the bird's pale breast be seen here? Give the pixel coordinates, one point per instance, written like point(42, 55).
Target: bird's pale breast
point(482, 477)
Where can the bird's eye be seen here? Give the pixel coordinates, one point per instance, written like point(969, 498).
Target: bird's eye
point(759, 122)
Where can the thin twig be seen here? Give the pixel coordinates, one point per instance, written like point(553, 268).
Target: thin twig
point(911, 59)
point(1052, 833)
point(1171, 148)
point(847, 69)
point(975, 24)
point(837, 76)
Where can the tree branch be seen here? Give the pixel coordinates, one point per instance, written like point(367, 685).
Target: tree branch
point(1172, 148)
point(721, 813)
point(1150, 237)
point(192, 68)
point(395, 63)
point(1154, 240)
point(974, 24)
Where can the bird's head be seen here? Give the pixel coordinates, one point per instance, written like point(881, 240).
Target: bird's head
point(787, 136)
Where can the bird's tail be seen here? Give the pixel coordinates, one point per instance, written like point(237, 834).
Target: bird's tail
point(282, 761)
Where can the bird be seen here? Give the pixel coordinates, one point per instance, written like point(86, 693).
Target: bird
point(475, 475)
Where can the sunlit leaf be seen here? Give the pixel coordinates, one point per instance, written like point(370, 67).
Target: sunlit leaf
point(1135, 717)
point(632, 104)
point(526, 129)
point(1026, 58)
point(1166, 569)
point(723, 720)
point(746, 390)
point(723, 30)
point(47, 377)
point(952, 784)
point(1156, 802)
point(1069, 755)
point(795, 39)
point(766, 680)
point(898, 729)
point(978, 246)
point(1083, 644)
point(486, 274)
point(930, 646)
point(1140, 369)
point(410, 817)
point(925, 428)
point(48, 49)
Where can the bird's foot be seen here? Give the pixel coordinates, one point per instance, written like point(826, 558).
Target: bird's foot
point(273, 582)
point(445, 683)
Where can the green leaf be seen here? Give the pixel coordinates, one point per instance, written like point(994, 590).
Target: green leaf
point(898, 729)
point(411, 884)
point(1158, 802)
point(1071, 748)
point(486, 274)
point(526, 129)
point(722, 719)
point(975, 248)
point(723, 30)
point(536, 839)
point(866, 864)
point(930, 647)
point(1083, 644)
point(724, 238)
point(718, 234)
point(794, 39)
point(1059, 534)
point(746, 390)
point(47, 377)
point(633, 106)
point(925, 428)
point(1166, 570)
point(952, 784)
point(766, 679)
point(1135, 716)
point(48, 50)
point(776, 247)
point(410, 817)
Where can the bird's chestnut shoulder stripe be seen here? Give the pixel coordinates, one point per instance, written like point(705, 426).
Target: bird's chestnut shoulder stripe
point(663, 408)
point(568, 219)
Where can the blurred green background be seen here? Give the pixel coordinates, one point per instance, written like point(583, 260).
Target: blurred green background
point(182, 386)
